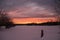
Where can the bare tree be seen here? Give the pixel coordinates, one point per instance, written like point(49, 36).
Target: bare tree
point(5, 20)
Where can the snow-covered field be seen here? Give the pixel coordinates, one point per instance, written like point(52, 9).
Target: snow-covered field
point(30, 33)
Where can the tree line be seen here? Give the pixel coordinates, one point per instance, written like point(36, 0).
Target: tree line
point(5, 19)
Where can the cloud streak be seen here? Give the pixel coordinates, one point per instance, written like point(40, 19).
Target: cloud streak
point(29, 8)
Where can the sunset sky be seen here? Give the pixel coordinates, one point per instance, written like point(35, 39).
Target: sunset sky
point(30, 9)
point(32, 20)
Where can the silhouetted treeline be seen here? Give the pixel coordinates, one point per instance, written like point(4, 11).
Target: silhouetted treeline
point(51, 23)
point(46, 23)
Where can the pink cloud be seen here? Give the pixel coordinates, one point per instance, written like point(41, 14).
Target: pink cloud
point(31, 10)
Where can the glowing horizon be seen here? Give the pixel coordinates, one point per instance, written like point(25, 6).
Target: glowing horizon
point(32, 20)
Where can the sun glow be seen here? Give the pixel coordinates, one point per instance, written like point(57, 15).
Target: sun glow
point(32, 20)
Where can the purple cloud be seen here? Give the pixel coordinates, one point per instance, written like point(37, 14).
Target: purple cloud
point(29, 8)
